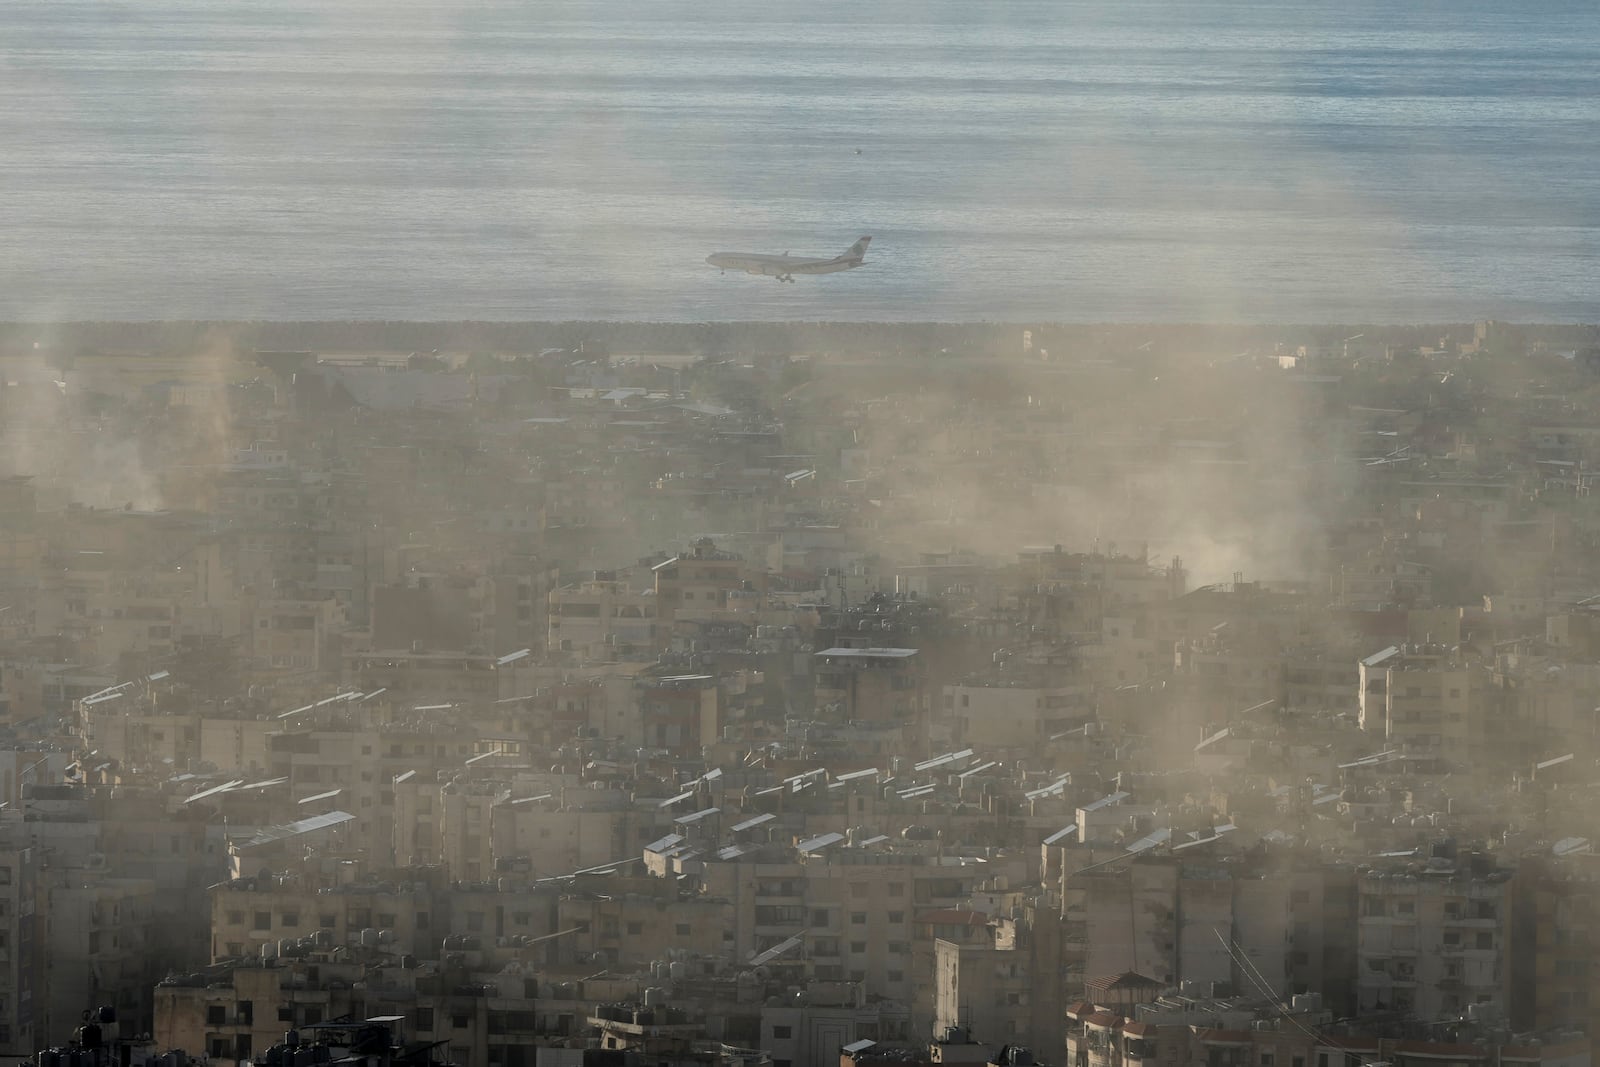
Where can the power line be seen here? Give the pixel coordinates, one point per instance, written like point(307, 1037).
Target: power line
point(1237, 954)
point(1260, 982)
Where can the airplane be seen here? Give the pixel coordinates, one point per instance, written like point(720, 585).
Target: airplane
point(783, 268)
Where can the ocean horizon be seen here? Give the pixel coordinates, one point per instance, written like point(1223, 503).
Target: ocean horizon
point(1148, 161)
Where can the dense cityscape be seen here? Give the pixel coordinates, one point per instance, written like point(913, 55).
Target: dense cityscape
point(1118, 697)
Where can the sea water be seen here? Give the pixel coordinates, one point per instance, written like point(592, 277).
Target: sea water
point(1116, 160)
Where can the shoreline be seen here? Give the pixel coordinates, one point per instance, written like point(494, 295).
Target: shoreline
point(728, 338)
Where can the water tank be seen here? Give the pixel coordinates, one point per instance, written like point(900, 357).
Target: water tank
point(286, 946)
point(679, 970)
point(1306, 1002)
point(385, 937)
point(269, 950)
point(369, 938)
point(655, 997)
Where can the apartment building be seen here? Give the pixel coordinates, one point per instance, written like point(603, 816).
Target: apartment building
point(249, 913)
point(1430, 700)
point(853, 911)
point(1238, 925)
point(1434, 938)
point(22, 941)
point(698, 579)
point(605, 619)
point(873, 685)
point(1015, 715)
point(98, 947)
point(1172, 1031)
point(247, 1007)
point(1552, 978)
point(1008, 992)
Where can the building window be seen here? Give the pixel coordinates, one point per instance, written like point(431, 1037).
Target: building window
point(682, 929)
point(290, 920)
point(459, 1020)
point(425, 1019)
point(782, 1033)
point(896, 917)
point(897, 976)
point(858, 918)
point(216, 1015)
point(635, 929)
point(858, 947)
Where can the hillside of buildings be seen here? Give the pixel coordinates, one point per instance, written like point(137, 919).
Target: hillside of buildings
point(579, 697)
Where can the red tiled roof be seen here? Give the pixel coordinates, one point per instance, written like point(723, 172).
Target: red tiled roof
point(1133, 1029)
point(1125, 980)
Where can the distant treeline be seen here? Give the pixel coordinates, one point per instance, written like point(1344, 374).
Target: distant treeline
point(713, 339)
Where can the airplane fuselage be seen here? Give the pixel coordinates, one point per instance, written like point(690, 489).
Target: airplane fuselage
point(785, 267)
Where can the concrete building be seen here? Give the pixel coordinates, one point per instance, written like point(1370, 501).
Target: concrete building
point(1431, 700)
point(1434, 940)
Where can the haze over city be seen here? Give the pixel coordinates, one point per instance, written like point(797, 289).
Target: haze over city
point(586, 534)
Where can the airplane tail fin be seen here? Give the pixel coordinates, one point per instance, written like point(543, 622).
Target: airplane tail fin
point(857, 251)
